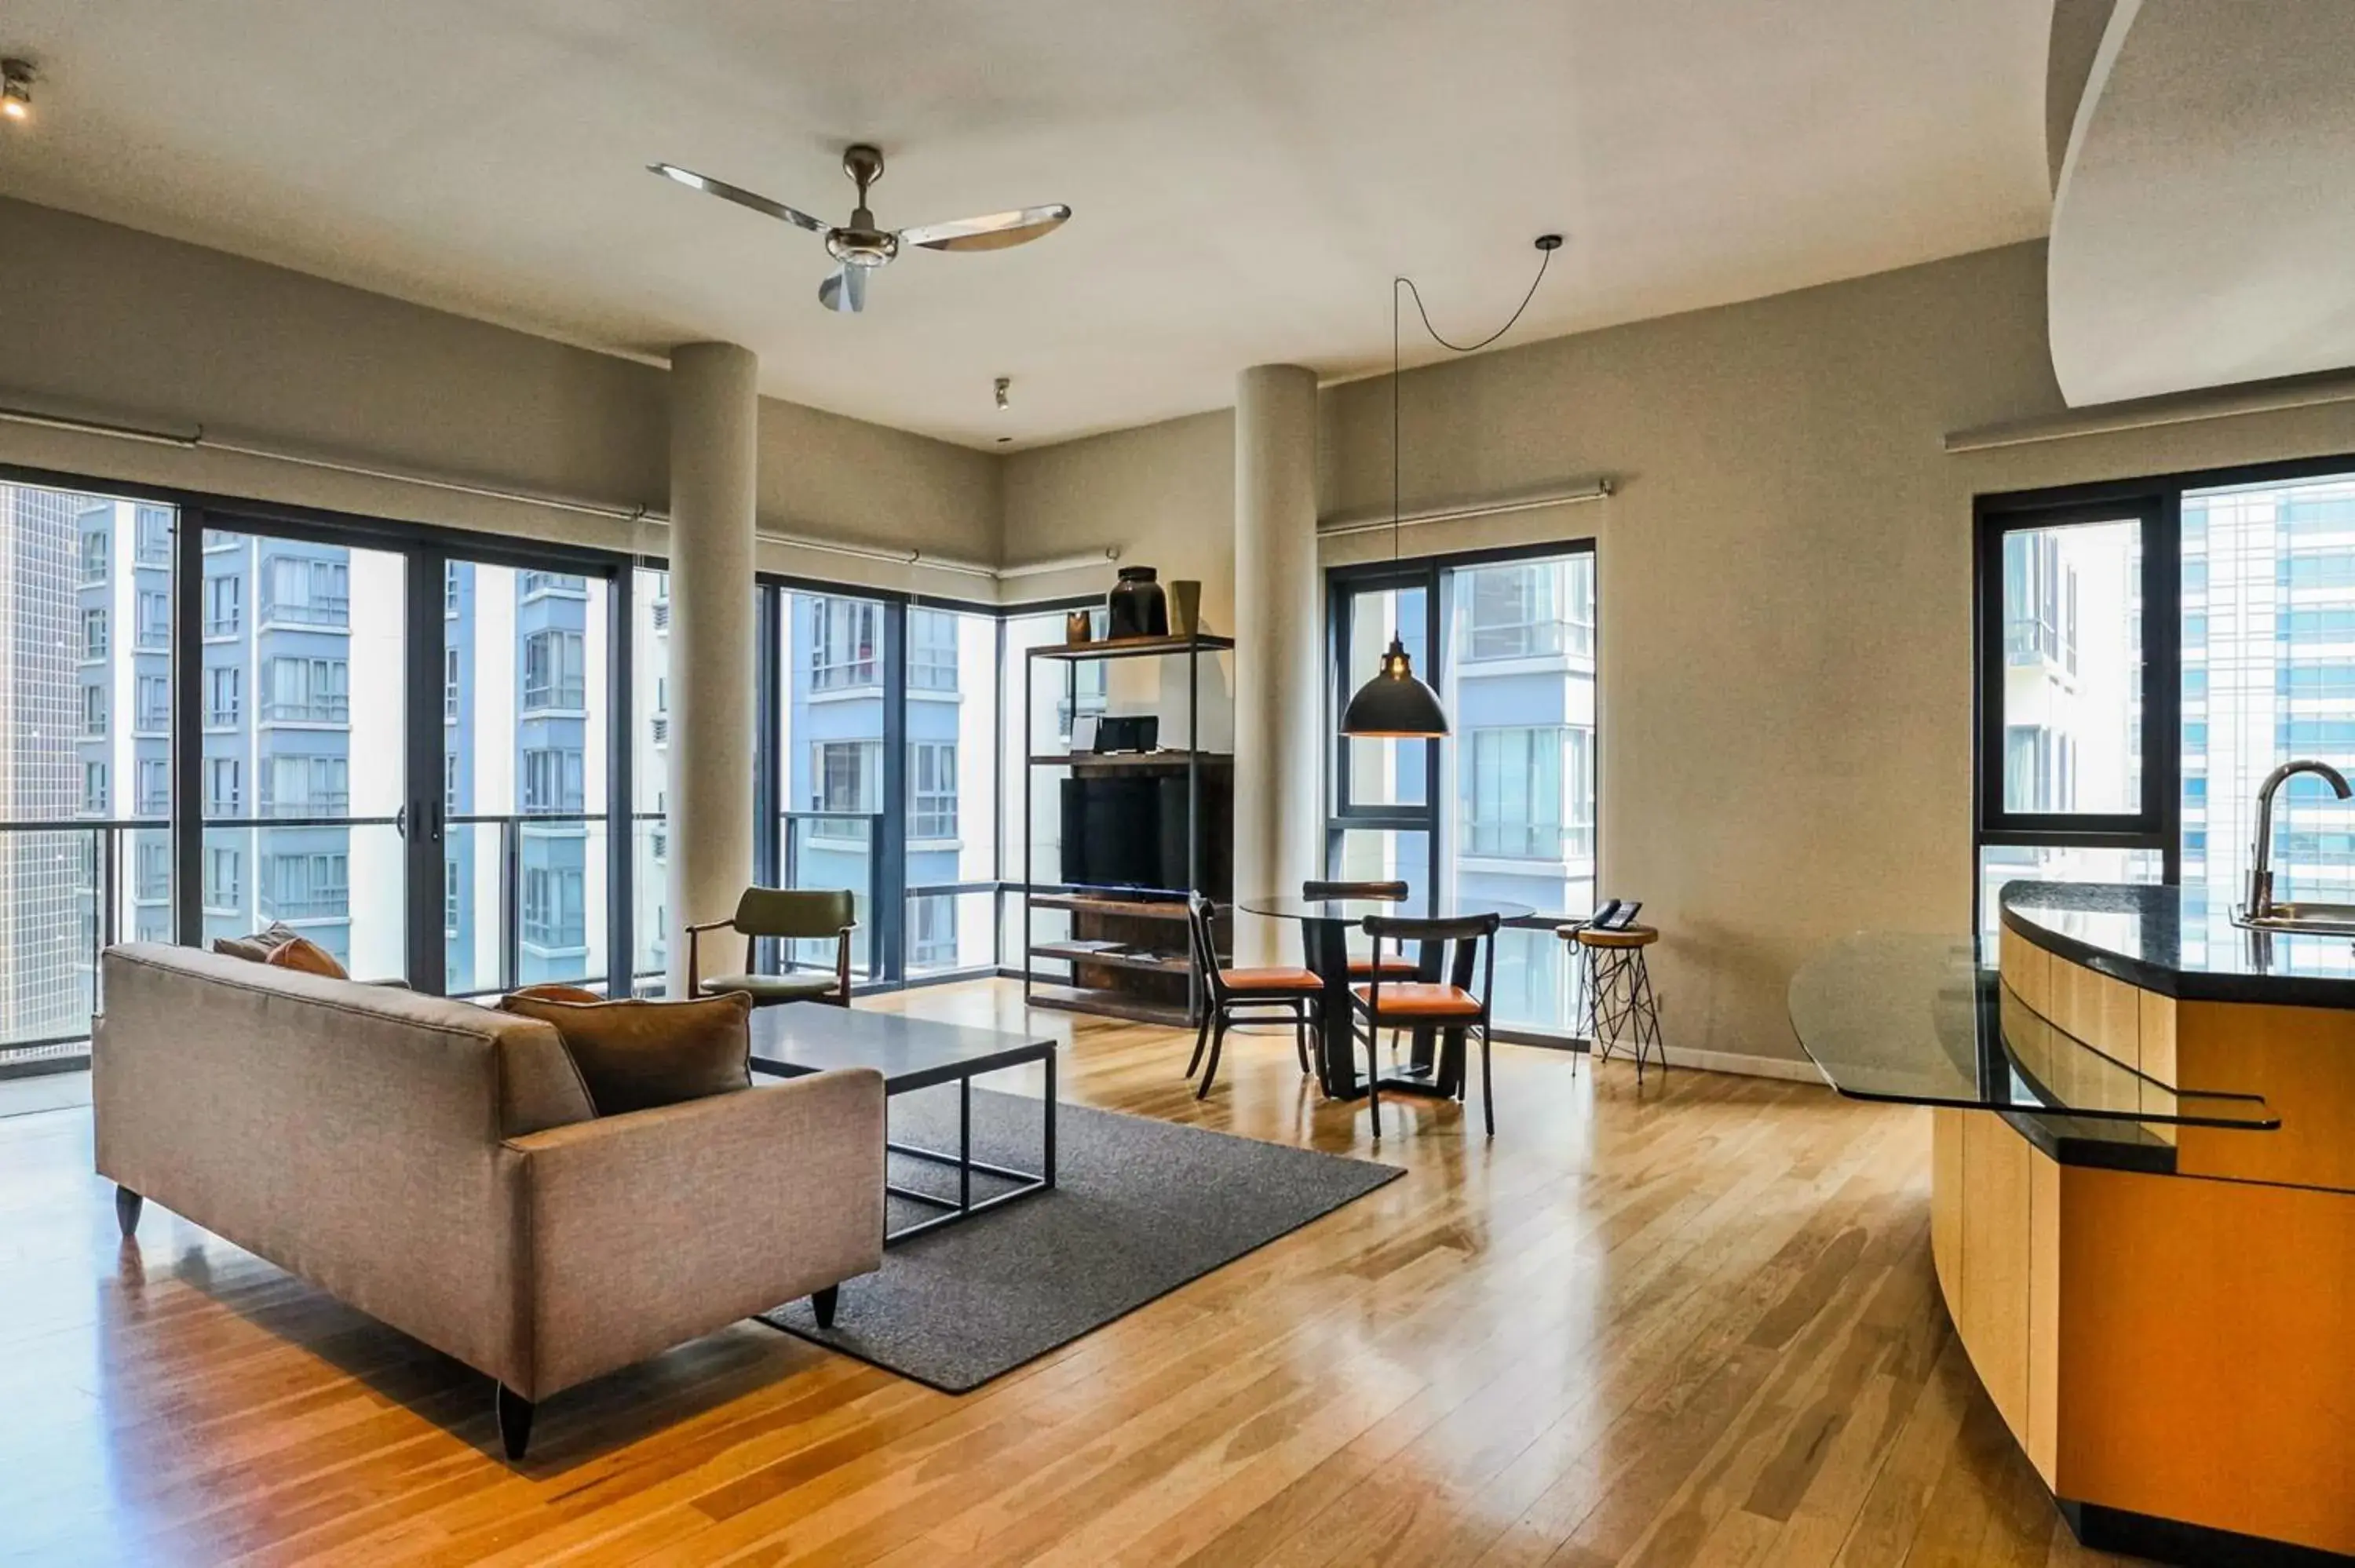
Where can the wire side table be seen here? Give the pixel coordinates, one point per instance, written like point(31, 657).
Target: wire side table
point(1619, 1009)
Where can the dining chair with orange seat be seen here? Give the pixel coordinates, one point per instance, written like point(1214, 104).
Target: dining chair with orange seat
point(1449, 1006)
point(1231, 996)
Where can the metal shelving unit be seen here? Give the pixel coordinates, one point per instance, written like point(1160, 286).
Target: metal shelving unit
point(1160, 905)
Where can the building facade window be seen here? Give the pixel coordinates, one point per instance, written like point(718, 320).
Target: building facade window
point(93, 789)
point(542, 585)
point(224, 791)
point(155, 527)
point(224, 692)
point(154, 875)
point(451, 687)
point(224, 879)
point(307, 691)
point(847, 776)
point(155, 621)
point(97, 555)
point(306, 786)
point(933, 932)
point(299, 591)
point(931, 651)
point(1530, 793)
point(553, 671)
point(155, 787)
point(846, 644)
point(553, 913)
point(93, 632)
point(224, 601)
point(154, 695)
point(552, 780)
point(94, 710)
point(313, 886)
point(932, 790)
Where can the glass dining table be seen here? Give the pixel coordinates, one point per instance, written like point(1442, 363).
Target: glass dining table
point(1324, 926)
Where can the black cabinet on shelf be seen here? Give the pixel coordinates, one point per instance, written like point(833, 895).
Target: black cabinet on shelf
point(1139, 830)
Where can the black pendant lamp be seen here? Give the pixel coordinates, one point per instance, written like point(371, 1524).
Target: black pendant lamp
point(1394, 705)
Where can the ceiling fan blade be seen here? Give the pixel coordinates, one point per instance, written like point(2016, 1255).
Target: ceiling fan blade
point(991, 231)
point(844, 288)
point(740, 196)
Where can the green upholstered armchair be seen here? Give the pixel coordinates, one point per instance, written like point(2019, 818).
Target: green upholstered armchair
point(788, 913)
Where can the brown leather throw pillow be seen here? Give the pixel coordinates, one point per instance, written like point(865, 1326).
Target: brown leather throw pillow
point(305, 954)
point(635, 1055)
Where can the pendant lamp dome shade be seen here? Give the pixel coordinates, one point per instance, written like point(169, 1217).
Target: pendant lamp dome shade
point(1394, 705)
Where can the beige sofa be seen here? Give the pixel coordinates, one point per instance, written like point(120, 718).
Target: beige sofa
point(438, 1165)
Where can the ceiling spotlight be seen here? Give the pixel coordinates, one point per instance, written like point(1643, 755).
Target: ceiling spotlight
point(16, 88)
point(1005, 387)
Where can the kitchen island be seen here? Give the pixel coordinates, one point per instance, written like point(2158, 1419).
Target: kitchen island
point(2143, 1202)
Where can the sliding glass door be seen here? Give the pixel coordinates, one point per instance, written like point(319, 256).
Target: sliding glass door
point(300, 782)
point(526, 725)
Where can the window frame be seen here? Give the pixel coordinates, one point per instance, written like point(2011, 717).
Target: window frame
point(2157, 513)
point(1343, 813)
point(2158, 826)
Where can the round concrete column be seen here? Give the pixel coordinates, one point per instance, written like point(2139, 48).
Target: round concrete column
point(1279, 740)
point(714, 452)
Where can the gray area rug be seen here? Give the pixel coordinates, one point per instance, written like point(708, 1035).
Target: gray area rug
point(1142, 1206)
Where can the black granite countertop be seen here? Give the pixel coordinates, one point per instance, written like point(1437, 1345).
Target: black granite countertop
point(2179, 942)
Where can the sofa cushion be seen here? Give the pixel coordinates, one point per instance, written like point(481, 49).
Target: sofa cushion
point(636, 1055)
point(304, 954)
point(256, 949)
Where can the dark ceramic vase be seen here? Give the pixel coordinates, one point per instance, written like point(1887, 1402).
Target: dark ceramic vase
point(1137, 605)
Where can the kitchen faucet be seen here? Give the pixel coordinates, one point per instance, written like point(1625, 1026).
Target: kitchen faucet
point(2261, 868)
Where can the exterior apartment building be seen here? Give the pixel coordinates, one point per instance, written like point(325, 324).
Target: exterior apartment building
point(2268, 675)
point(46, 909)
point(834, 761)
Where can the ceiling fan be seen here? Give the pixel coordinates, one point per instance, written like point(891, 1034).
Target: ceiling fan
point(858, 246)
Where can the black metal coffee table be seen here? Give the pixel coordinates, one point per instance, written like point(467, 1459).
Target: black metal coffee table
point(912, 1054)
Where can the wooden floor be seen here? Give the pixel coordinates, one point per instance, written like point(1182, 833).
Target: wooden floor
point(1691, 1325)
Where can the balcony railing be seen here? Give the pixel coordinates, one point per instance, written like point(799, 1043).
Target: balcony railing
point(317, 803)
point(311, 710)
point(848, 675)
point(1529, 640)
point(326, 609)
point(1527, 841)
point(324, 903)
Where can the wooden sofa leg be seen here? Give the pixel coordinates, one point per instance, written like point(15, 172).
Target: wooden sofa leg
point(824, 1302)
point(127, 1204)
point(515, 1421)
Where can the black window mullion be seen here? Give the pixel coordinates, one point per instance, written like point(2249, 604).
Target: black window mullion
point(187, 728)
point(2156, 824)
point(422, 826)
point(621, 825)
point(888, 957)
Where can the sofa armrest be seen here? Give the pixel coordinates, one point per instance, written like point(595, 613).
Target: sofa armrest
point(639, 1232)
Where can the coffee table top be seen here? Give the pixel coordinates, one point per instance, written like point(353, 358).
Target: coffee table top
point(911, 1052)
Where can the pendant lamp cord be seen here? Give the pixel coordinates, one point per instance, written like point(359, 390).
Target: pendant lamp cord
point(1547, 246)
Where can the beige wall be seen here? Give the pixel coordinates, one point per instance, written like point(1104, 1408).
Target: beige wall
point(106, 322)
point(1786, 581)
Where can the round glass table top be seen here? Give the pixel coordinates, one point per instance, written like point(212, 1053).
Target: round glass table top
point(1291, 906)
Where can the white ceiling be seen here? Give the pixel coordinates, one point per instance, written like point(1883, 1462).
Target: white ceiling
point(2202, 232)
point(1246, 176)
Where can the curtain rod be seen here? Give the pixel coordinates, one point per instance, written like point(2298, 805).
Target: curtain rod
point(1368, 521)
point(2153, 413)
point(199, 440)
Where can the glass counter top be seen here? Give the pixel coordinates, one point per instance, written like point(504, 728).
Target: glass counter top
point(1914, 1020)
